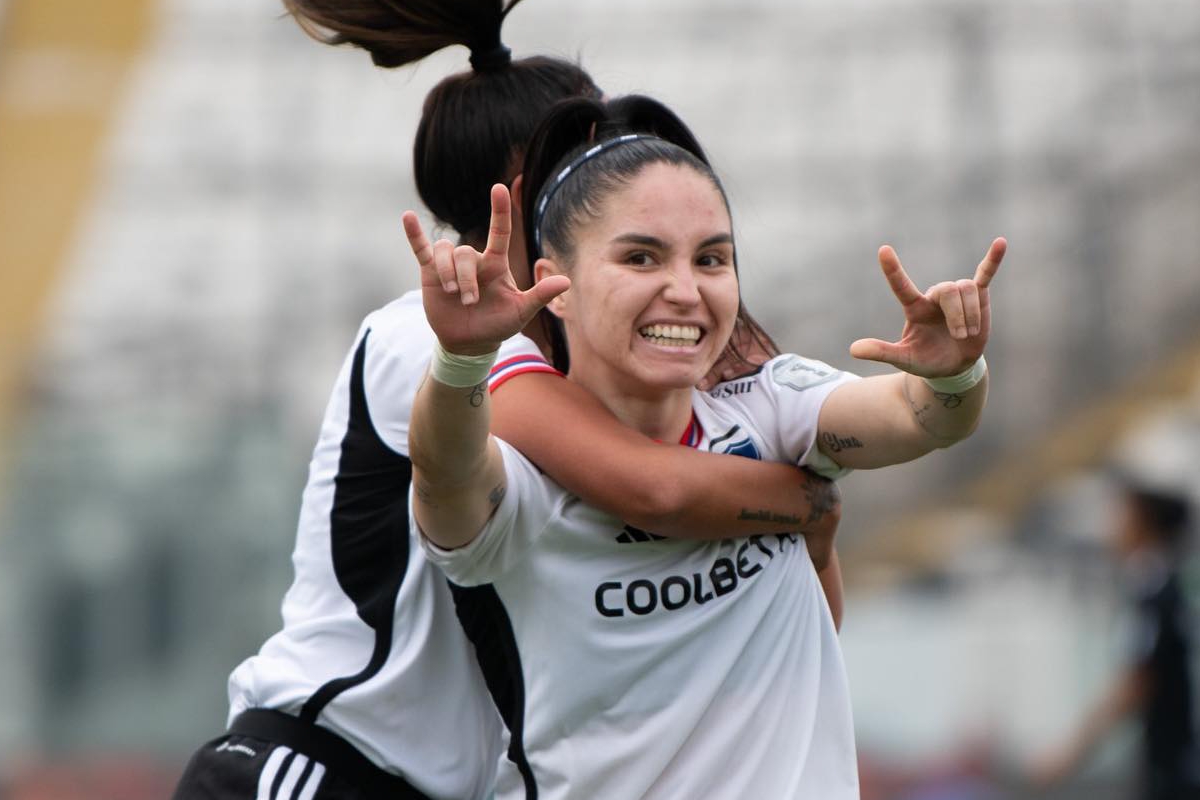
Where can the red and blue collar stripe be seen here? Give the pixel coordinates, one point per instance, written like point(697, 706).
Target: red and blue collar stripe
point(517, 365)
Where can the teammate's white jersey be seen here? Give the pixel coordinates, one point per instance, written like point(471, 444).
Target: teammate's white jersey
point(371, 647)
point(639, 666)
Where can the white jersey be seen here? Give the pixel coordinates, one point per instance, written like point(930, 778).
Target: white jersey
point(644, 667)
point(371, 647)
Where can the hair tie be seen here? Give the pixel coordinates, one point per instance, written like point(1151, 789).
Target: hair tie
point(549, 190)
point(493, 58)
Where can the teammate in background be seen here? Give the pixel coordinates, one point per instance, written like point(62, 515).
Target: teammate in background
point(665, 668)
point(1156, 684)
point(371, 688)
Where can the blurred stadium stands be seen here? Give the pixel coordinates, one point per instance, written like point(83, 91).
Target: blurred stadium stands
point(199, 204)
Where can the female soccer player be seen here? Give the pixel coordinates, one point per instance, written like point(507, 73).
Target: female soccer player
point(668, 668)
point(371, 688)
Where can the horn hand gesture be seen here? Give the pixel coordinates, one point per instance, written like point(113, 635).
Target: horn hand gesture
point(945, 328)
point(471, 300)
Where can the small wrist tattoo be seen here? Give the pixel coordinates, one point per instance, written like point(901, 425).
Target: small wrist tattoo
point(475, 398)
point(949, 400)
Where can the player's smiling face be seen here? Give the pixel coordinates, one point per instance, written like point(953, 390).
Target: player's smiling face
point(654, 293)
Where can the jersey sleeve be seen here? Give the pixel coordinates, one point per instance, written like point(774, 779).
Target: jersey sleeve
point(517, 356)
point(783, 408)
point(530, 502)
point(799, 387)
point(397, 344)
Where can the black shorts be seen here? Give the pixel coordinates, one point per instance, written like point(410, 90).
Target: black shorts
point(269, 755)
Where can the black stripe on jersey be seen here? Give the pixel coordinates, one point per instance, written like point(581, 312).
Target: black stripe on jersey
point(712, 444)
point(368, 529)
point(630, 534)
point(485, 621)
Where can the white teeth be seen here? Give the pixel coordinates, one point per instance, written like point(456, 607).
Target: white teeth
point(672, 335)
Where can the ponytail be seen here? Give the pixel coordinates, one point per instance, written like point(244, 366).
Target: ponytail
point(399, 32)
point(475, 124)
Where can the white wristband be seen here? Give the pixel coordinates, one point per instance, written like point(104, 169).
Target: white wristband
point(460, 371)
point(957, 384)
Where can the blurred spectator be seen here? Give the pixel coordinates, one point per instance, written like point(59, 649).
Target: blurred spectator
point(1154, 683)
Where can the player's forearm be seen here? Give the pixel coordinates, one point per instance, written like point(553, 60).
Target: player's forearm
point(727, 496)
point(890, 419)
point(458, 476)
point(944, 417)
point(667, 489)
point(448, 432)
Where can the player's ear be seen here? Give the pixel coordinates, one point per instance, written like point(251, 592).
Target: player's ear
point(517, 190)
point(559, 306)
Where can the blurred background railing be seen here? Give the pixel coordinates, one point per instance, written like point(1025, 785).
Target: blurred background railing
point(198, 204)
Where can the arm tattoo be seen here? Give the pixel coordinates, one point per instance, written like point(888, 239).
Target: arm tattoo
point(763, 515)
point(424, 494)
point(475, 398)
point(838, 443)
point(921, 412)
point(496, 495)
point(823, 497)
point(949, 400)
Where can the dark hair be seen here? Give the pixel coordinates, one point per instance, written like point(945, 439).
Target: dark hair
point(577, 127)
point(1167, 515)
point(474, 124)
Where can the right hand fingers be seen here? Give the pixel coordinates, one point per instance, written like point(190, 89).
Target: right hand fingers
point(443, 263)
point(466, 269)
point(500, 227)
point(431, 258)
point(542, 293)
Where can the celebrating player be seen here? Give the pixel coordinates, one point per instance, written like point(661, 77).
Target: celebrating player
point(661, 668)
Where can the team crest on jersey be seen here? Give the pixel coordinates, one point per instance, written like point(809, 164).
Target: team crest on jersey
point(799, 373)
point(730, 443)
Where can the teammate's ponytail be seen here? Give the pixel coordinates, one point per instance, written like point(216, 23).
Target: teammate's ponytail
point(474, 124)
point(399, 32)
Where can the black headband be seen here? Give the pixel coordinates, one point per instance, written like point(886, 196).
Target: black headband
point(548, 192)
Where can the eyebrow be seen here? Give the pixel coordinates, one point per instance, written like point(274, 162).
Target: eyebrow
point(654, 241)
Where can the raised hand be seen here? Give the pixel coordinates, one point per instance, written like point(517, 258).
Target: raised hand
point(471, 300)
point(946, 328)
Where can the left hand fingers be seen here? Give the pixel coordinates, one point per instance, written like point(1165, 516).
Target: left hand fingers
point(972, 312)
point(902, 286)
point(948, 296)
point(991, 262)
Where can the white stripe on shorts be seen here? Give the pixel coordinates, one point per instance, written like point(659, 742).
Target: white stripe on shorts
point(299, 762)
point(270, 770)
point(314, 780)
